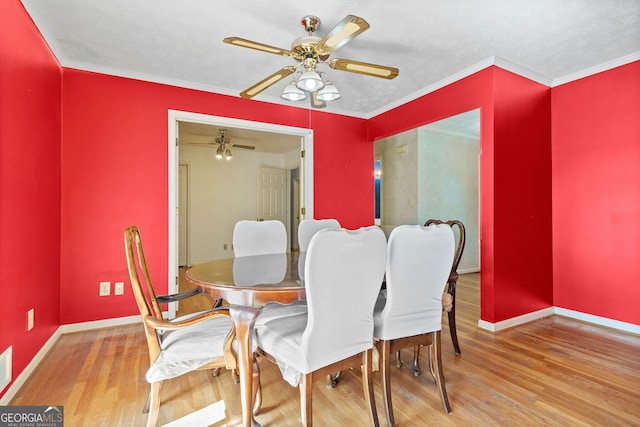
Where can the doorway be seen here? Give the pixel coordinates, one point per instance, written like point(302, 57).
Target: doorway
point(433, 172)
point(233, 171)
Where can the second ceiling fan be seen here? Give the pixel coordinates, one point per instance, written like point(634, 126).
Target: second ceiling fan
point(224, 144)
point(310, 51)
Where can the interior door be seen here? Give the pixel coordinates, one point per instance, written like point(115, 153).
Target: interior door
point(273, 195)
point(183, 215)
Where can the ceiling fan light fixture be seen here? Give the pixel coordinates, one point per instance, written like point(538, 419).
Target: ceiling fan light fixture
point(219, 152)
point(310, 81)
point(292, 93)
point(228, 155)
point(329, 92)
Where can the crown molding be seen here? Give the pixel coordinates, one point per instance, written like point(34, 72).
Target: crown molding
point(479, 66)
point(609, 65)
point(438, 85)
point(522, 71)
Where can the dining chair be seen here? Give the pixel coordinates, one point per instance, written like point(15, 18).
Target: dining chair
point(449, 296)
point(343, 272)
point(449, 306)
point(410, 313)
point(195, 341)
point(252, 237)
point(306, 230)
point(309, 227)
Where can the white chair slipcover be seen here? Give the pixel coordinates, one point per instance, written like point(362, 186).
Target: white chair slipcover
point(259, 237)
point(409, 313)
point(309, 227)
point(343, 274)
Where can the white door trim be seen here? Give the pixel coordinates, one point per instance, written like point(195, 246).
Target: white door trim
point(174, 117)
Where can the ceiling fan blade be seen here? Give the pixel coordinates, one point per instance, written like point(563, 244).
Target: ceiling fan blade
point(315, 102)
point(267, 82)
point(346, 29)
point(364, 68)
point(237, 41)
point(244, 147)
point(200, 144)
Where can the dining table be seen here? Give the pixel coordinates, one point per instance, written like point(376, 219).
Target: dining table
point(247, 284)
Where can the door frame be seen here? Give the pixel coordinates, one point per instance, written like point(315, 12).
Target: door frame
point(184, 211)
point(175, 116)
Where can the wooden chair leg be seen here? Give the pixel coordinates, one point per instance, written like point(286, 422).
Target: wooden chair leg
point(332, 379)
point(256, 391)
point(154, 403)
point(452, 319)
point(416, 361)
point(145, 408)
point(436, 354)
point(306, 408)
point(398, 358)
point(367, 385)
point(385, 362)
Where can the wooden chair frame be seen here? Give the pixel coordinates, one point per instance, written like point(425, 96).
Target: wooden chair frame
point(154, 323)
point(453, 277)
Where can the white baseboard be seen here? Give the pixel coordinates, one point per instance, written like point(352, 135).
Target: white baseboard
point(514, 321)
point(63, 329)
point(20, 380)
point(602, 321)
point(529, 317)
point(97, 324)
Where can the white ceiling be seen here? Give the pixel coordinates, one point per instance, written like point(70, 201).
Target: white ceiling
point(199, 134)
point(431, 42)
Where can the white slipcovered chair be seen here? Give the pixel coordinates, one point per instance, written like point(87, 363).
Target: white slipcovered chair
point(259, 238)
point(409, 312)
point(343, 273)
point(251, 238)
point(309, 227)
point(176, 347)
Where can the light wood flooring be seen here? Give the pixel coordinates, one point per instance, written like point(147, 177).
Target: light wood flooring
point(551, 372)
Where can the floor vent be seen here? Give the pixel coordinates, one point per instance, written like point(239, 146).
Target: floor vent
point(5, 368)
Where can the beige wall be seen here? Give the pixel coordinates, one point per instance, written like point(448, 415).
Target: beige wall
point(220, 194)
point(431, 173)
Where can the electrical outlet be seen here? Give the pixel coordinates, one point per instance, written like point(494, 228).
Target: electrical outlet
point(30, 319)
point(118, 288)
point(224, 247)
point(105, 289)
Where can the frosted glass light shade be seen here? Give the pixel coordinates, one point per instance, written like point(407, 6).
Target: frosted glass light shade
point(310, 81)
point(292, 93)
point(329, 93)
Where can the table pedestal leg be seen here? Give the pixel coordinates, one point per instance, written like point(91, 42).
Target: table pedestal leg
point(243, 318)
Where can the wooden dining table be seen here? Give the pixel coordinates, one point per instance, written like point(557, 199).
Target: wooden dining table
point(247, 284)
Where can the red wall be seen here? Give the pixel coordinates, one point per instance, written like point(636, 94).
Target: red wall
point(29, 186)
point(515, 183)
point(523, 275)
point(596, 194)
point(69, 187)
point(115, 165)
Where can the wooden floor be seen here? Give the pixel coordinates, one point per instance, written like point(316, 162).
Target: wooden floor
point(552, 372)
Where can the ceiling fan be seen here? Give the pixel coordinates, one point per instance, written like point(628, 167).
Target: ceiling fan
point(224, 144)
point(310, 51)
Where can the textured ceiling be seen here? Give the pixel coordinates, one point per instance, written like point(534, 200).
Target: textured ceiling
point(180, 42)
point(431, 42)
